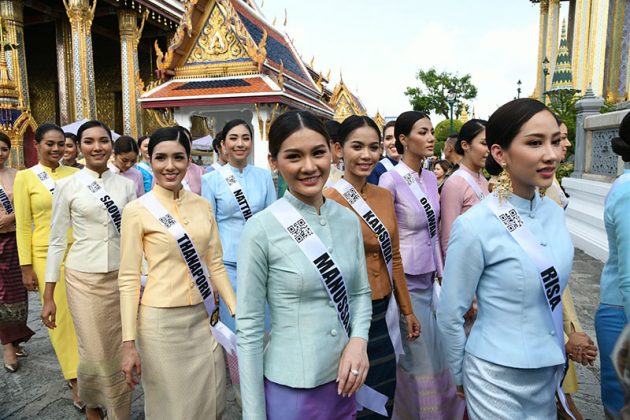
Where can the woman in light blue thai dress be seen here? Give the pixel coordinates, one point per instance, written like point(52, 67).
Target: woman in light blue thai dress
point(513, 251)
point(236, 191)
point(614, 310)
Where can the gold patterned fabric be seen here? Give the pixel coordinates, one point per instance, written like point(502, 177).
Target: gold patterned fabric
point(94, 303)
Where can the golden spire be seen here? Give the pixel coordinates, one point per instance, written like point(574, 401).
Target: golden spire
point(286, 18)
point(464, 115)
point(8, 88)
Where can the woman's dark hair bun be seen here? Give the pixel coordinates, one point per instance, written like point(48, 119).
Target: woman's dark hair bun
point(621, 144)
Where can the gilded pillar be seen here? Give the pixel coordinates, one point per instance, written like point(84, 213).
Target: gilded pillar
point(12, 12)
point(580, 47)
point(80, 14)
point(63, 41)
point(553, 31)
point(597, 45)
point(130, 35)
point(542, 39)
point(617, 51)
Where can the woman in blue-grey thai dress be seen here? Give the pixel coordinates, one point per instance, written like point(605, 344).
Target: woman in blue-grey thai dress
point(304, 256)
point(236, 191)
point(614, 310)
point(512, 251)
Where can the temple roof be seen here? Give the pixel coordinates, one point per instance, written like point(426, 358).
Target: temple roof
point(563, 74)
point(219, 40)
point(345, 103)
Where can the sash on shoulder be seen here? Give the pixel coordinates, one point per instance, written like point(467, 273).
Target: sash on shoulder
point(470, 180)
point(196, 268)
point(332, 278)
point(237, 191)
point(387, 163)
point(5, 201)
point(362, 208)
point(216, 165)
point(45, 179)
point(146, 167)
point(549, 277)
point(103, 196)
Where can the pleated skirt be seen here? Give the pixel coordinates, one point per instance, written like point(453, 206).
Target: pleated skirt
point(382, 374)
point(500, 392)
point(94, 303)
point(183, 371)
point(13, 294)
point(320, 403)
point(425, 388)
point(63, 338)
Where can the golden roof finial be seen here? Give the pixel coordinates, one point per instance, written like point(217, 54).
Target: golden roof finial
point(286, 18)
point(312, 62)
point(274, 21)
point(328, 74)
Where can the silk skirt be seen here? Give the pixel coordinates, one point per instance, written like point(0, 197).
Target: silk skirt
point(183, 371)
point(94, 303)
point(63, 338)
point(320, 403)
point(13, 294)
point(500, 392)
point(609, 323)
point(425, 388)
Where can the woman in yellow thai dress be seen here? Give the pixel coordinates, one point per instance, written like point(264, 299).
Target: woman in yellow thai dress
point(34, 189)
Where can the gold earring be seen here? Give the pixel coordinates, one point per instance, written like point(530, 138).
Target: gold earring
point(504, 185)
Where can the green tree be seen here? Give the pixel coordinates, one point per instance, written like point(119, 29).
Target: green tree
point(431, 95)
point(562, 103)
point(443, 129)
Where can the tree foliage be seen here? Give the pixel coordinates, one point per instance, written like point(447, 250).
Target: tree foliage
point(432, 93)
point(562, 103)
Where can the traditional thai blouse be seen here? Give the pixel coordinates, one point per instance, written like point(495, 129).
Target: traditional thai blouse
point(33, 211)
point(131, 174)
point(7, 178)
point(513, 326)
point(457, 198)
point(307, 338)
point(259, 191)
point(382, 204)
point(169, 283)
point(96, 247)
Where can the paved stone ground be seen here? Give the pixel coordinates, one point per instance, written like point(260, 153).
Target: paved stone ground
point(38, 391)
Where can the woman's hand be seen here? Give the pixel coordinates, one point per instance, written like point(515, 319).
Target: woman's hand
point(29, 278)
point(353, 367)
point(413, 327)
point(131, 364)
point(49, 312)
point(460, 392)
point(472, 311)
point(581, 349)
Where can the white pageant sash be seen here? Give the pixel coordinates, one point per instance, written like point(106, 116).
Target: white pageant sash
point(216, 166)
point(237, 191)
point(146, 167)
point(332, 278)
point(45, 179)
point(463, 174)
point(103, 196)
point(387, 163)
point(196, 268)
point(549, 277)
point(362, 208)
point(5, 201)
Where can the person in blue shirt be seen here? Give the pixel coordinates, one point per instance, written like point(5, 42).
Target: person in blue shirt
point(313, 364)
point(614, 309)
point(144, 166)
point(391, 157)
point(233, 206)
point(511, 364)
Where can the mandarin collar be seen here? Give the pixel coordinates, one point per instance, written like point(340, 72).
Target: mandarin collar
point(236, 170)
point(466, 169)
point(524, 205)
point(168, 195)
point(302, 207)
point(105, 175)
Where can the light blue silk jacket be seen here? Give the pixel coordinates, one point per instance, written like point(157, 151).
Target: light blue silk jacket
point(307, 338)
point(514, 326)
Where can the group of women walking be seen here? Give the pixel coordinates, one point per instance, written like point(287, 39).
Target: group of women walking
point(373, 296)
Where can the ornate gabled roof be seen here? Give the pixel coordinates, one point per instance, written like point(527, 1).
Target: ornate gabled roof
point(345, 103)
point(223, 39)
point(563, 74)
point(379, 120)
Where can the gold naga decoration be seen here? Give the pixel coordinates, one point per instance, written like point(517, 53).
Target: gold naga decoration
point(264, 125)
point(257, 52)
point(163, 116)
point(165, 61)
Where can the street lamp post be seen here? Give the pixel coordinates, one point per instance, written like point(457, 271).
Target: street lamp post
point(518, 89)
point(545, 69)
point(450, 98)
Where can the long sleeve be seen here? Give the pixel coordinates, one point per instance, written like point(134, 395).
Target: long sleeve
point(401, 292)
point(59, 225)
point(361, 295)
point(218, 274)
point(208, 193)
point(131, 250)
point(464, 267)
point(451, 203)
point(622, 227)
point(250, 319)
point(23, 218)
point(271, 194)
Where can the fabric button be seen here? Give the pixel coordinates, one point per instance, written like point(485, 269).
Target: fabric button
point(375, 255)
point(552, 333)
point(105, 224)
point(375, 274)
point(192, 284)
point(322, 222)
point(333, 332)
point(105, 240)
point(531, 215)
point(428, 243)
point(331, 303)
point(543, 243)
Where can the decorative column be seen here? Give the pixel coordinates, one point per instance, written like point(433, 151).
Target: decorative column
point(553, 31)
point(81, 14)
point(13, 23)
point(597, 45)
point(580, 46)
point(589, 105)
point(617, 51)
point(130, 35)
point(542, 41)
point(63, 42)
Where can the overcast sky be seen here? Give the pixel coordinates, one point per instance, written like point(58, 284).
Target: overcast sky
point(379, 46)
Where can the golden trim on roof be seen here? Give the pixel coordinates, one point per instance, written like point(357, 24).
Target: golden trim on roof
point(184, 29)
point(344, 102)
point(257, 52)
